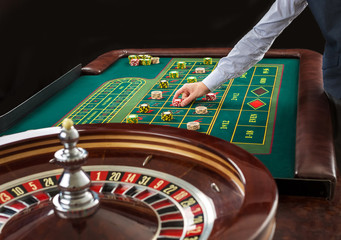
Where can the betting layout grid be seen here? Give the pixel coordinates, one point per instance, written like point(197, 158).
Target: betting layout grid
point(240, 114)
point(247, 97)
point(106, 102)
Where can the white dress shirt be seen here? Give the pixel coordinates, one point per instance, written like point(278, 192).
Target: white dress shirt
point(252, 47)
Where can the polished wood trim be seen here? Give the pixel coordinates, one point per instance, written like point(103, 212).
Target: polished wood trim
point(129, 142)
point(104, 61)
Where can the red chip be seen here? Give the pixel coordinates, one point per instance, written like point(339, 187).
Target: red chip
point(134, 62)
point(211, 97)
point(176, 102)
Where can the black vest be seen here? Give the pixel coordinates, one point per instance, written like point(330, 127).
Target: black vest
point(328, 16)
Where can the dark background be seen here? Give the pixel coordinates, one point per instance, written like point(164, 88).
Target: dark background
point(41, 40)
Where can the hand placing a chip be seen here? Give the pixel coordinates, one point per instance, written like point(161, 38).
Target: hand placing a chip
point(190, 92)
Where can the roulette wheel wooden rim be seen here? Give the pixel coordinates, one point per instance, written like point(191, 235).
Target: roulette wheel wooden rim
point(256, 215)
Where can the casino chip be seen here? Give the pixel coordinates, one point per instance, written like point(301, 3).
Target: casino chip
point(207, 61)
point(201, 110)
point(174, 74)
point(176, 102)
point(163, 84)
point(211, 97)
point(146, 62)
point(193, 126)
point(134, 62)
point(200, 70)
point(167, 116)
point(181, 65)
point(144, 108)
point(155, 60)
point(192, 79)
point(132, 118)
point(156, 94)
point(130, 57)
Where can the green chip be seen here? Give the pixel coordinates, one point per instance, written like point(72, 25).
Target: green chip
point(132, 57)
point(181, 65)
point(146, 62)
point(192, 79)
point(132, 118)
point(207, 61)
point(174, 74)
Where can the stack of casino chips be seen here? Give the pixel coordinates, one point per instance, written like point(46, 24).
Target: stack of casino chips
point(201, 110)
point(155, 60)
point(174, 74)
point(192, 79)
point(156, 94)
point(163, 84)
point(145, 60)
point(181, 65)
point(193, 126)
point(144, 108)
point(207, 61)
point(200, 70)
point(211, 97)
point(134, 62)
point(176, 102)
point(167, 116)
point(132, 118)
point(130, 57)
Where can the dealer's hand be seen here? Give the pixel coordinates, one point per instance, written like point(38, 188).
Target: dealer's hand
point(191, 91)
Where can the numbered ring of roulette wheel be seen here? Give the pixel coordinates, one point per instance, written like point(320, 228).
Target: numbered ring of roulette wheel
point(153, 182)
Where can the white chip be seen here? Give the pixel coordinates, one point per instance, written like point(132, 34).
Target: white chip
point(200, 70)
point(201, 110)
point(193, 125)
point(156, 94)
point(155, 60)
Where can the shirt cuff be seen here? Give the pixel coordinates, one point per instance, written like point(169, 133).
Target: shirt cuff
point(214, 79)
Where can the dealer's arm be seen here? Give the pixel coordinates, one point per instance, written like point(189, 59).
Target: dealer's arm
point(248, 51)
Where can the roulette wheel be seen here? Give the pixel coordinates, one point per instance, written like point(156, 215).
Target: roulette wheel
point(131, 181)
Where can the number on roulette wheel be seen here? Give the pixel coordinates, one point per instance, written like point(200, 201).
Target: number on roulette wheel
point(128, 181)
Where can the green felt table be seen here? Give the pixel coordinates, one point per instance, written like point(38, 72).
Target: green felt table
point(234, 116)
point(256, 111)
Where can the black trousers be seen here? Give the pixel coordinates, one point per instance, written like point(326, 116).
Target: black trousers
point(335, 107)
